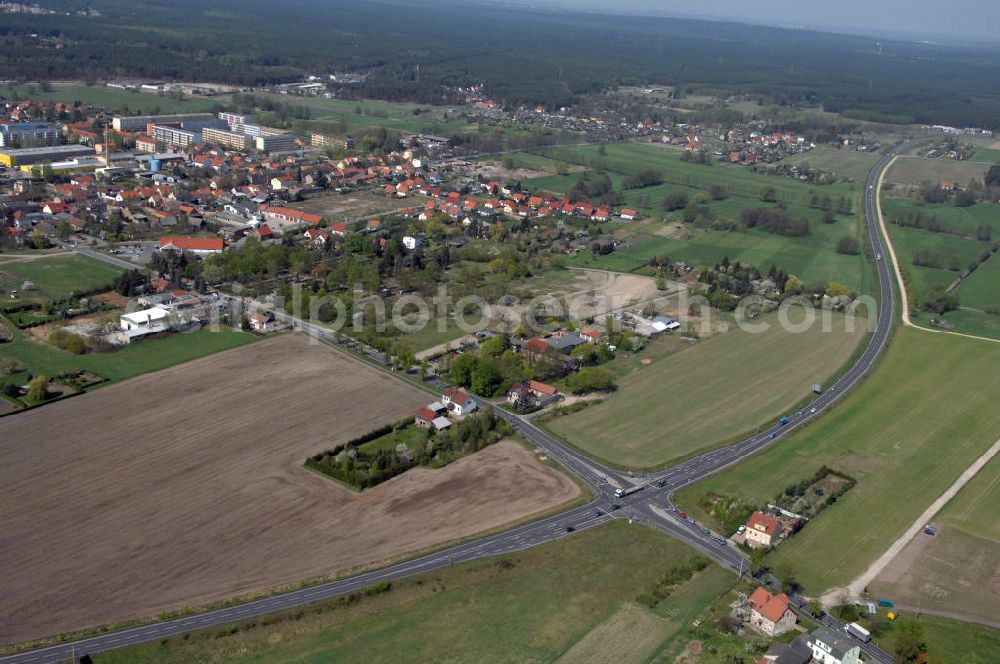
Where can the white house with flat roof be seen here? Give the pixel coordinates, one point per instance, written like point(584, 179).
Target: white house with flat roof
point(141, 323)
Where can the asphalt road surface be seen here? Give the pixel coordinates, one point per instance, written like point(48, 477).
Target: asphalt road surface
point(650, 505)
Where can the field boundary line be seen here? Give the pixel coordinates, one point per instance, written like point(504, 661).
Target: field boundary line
point(855, 587)
point(905, 309)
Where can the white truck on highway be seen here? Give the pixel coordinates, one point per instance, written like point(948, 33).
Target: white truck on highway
point(621, 493)
point(858, 632)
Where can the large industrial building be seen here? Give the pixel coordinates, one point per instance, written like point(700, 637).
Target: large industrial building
point(40, 155)
point(31, 134)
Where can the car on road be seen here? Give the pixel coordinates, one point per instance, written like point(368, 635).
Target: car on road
point(783, 421)
point(661, 483)
point(691, 520)
point(616, 506)
point(704, 530)
point(812, 410)
point(598, 513)
point(682, 515)
point(570, 529)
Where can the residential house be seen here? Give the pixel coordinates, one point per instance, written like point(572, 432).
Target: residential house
point(796, 652)
point(520, 396)
point(628, 214)
point(145, 322)
point(262, 321)
point(762, 530)
point(458, 401)
point(830, 647)
point(592, 335)
point(769, 614)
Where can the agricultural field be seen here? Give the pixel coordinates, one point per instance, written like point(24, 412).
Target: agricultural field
point(981, 289)
point(629, 158)
point(909, 171)
point(685, 403)
point(951, 254)
point(813, 258)
point(846, 162)
point(114, 100)
point(187, 486)
point(990, 154)
point(572, 600)
point(960, 221)
point(926, 412)
point(55, 275)
point(958, 569)
point(401, 116)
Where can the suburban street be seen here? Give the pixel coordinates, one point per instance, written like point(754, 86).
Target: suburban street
point(649, 506)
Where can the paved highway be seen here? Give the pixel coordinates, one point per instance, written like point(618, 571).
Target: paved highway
point(651, 505)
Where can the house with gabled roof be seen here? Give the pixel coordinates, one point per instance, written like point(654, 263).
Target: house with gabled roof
point(762, 530)
point(458, 401)
point(770, 614)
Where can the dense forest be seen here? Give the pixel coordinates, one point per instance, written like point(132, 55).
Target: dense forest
point(416, 51)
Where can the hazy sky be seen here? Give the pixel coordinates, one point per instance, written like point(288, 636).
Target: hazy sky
point(975, 20)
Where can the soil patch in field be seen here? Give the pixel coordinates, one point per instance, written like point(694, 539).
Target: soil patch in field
point(187, 486)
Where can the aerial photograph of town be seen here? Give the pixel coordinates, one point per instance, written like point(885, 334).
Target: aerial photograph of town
point(548, 331)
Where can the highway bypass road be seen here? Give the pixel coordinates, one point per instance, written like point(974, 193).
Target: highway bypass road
point(651, 505)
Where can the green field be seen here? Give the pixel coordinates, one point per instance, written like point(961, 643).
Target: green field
point(708, 394)
point(912, 171)
point(391, 115)
point(991, 155)
point(813, 259)
point(532, 606)
point(927, 411)
point(946, 249)
point(115, 100)
point(982, 288)
point(629, 158)
point(431, 336)
point(964, 221)
point(846, 162)
point(131, 360)
point(55, 276)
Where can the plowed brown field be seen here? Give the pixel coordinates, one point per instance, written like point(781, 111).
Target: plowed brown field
point(186, 486)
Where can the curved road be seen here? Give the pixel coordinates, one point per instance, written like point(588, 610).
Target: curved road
point(650, 505)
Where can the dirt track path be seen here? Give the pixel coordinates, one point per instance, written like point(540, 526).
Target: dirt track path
point(855, 587)
point(899, 275)
point(19, 258)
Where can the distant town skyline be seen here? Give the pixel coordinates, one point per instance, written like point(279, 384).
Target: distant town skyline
point(960, 20)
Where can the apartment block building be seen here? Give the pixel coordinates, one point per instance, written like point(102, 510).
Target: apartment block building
point(31, 134)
